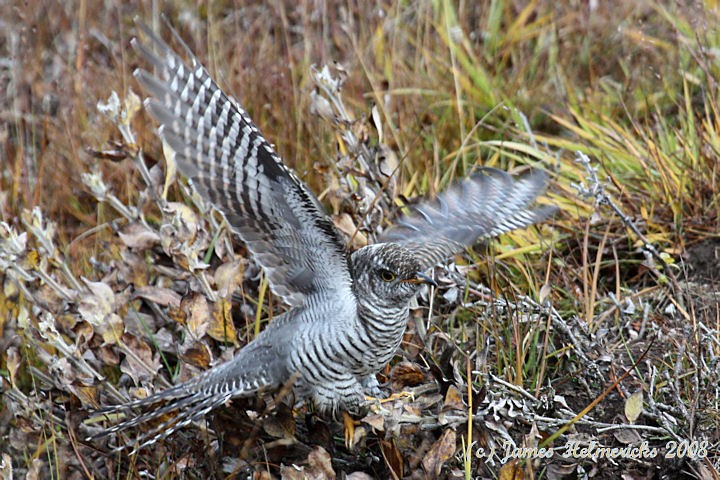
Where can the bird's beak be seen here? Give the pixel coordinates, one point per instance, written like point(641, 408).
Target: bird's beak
point(420, 277)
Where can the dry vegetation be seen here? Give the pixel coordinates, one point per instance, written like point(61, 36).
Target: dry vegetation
point(599, 326)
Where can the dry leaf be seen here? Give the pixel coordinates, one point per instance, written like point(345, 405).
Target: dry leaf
point(97, 304)
point(137, 235)
point(292, 472)
point(441, 451)
point(320, 465)
point(281, 424)
point(112, 329)
point(198, 355)
point(227, 278)
point(393, 458)
point(159, 295)
point(511, 471)
point(12, 363)
point(139, 363)
point(634, 406)
point(406, 374)
point(359, 476)
point(198, 315)
point(627, 436)
point(33, 472)
point(376, 421)
point(221, 327)
point(453, 399)
point(6, 469)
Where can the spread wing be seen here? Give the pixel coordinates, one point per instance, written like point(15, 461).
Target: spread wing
point(221, 150)
point(486, 204)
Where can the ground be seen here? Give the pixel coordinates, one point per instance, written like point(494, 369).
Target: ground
point(598, 328)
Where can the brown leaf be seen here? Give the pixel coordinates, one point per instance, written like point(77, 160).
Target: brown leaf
point(83, 332)
point(406, 374)
point(112, 329)
point(185, 220)
point(376, 421)
point(33, 472)
point(441, 451)
point(87, 395)
point(221, 327)
point(139, 362)
point(281, 424)
point(227, 278)
point(159, 295)
point(198, 355)
point(137, 235)
point(13, 363)
point(6, 468)
point(634, 406)
point(108, 355)
point(97, 304)
point(627, 436)
point(511, 471)
point(320, 465)
point(453, 400)
point(359, 476)
point(198, 315)
point(292, 472)
point(393, 458)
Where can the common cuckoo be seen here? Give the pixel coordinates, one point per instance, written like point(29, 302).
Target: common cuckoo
point(348, 311)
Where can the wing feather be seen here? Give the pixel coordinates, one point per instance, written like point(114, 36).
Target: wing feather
point(484, 205)
point(220, 149)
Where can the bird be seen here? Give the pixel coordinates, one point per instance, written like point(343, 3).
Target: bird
point(347, 311)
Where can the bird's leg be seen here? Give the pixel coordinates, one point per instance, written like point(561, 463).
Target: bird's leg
point(330, 402)
point(371, 387)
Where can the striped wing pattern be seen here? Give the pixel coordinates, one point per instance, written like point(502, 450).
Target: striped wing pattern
point(220, 149)
point(486, 204)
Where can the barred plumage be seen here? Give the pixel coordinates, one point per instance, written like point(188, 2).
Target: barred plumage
point(348, 312)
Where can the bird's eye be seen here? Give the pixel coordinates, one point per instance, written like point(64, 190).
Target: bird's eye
point(387, 275)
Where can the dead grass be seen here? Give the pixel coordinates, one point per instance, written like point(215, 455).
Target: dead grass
point(520, 339)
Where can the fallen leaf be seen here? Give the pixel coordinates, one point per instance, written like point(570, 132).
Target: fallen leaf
point(227, 278)
point(627, 436)
point(137, 235)
point(406, 374)
point(376, 421)
point(441, 451)
point(198, 355)
point(281, 424)
point(453, 400)
point(12, 363)
point(345, 224)
point(393, 458)
point(97, 304)
point(511, 471)
point(159, 295)
point(112, 329)
point(198, 315)
point(320, 465)
point(6, 468)
point(634, 406)
point(221, 326)
point(139, 362)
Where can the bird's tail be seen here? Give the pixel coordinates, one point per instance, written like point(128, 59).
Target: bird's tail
point(244, 376)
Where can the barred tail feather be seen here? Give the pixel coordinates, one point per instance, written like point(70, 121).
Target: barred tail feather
point(256, 368)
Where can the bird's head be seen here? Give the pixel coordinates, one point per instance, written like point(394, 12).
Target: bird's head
point(387, 274)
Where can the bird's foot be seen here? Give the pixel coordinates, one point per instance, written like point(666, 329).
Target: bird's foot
point(349, 422)
point(389, 398)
